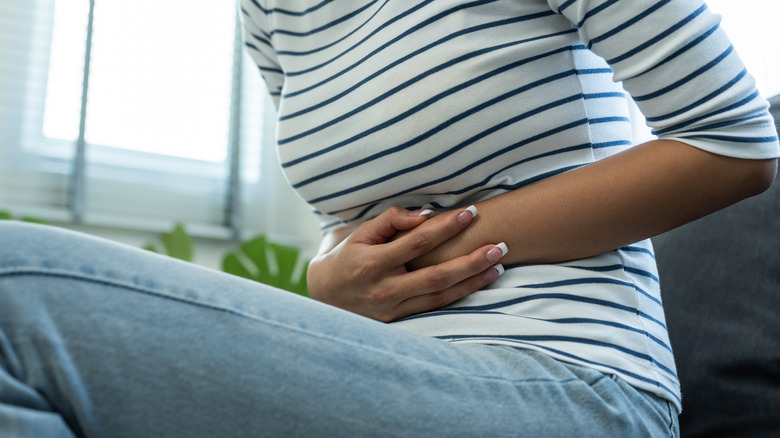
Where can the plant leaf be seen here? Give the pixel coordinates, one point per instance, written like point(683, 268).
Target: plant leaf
point(4, 215)
point(178, 243)
point(232, 265)
point(33, 220)
point(256, 252)
point(286, 261)
point(300, 286)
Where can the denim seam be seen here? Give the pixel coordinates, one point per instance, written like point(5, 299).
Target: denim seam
point(672, 420)
point(157, 293)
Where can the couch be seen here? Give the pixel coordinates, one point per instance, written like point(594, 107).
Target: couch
point(720, 282)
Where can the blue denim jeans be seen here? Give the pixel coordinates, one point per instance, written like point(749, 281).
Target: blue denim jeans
point(98, 339)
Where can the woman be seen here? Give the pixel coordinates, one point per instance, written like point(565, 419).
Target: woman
point(443, 144)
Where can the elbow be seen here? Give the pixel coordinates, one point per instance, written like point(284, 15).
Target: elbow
point(760, 177)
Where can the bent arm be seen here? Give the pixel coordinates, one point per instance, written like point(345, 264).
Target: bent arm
point(619, 200)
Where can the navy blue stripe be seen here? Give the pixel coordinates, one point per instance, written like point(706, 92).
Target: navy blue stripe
point(614, 324)
point(528, 181)
point(628, 23)
point(615, 268)
point(772, 139)
point(599, 120)
point(421, 76)
point(605, 94)
point(686, 47)
point(326, 26)
point(641, 272)
point(355, 30)
point(610, 324)
point(638, 249)
point(535, 179)
point(753, 96)
point(417, 108)
point(598, 280)
point(687, 78)
point(391, 42)
point(288, 12)
point(727, 123)
point(658, 38)
point(365, 211)
point(268, 69)
point(472, 165)
point(495, 155)
point(565, 5)
point(487, 179)
point(578, 340)
point(260, 39)
point(595, 11)
point(605, 268)
point(251, 46)
point(701, 101)
point(610, 144)
point(557, 296)
point(359, 216)
point(441, 127)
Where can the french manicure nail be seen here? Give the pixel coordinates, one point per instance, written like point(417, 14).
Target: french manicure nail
point(467, 215)
point(425, 212)
point(498, 251)
point(493, 273)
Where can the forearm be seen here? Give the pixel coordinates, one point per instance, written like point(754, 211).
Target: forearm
point(631, 196)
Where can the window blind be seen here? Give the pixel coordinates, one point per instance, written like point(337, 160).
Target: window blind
point(173, 128)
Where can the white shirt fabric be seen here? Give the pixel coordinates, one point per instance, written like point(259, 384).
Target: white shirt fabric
point(442, 104)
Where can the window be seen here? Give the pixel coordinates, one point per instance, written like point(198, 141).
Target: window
point(169, 126)
point(190, 83)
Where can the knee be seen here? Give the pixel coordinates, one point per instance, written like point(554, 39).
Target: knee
point(19, 240)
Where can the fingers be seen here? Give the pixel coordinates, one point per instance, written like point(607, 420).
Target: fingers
point(440, 285)
point(425, 238)
point(386, 225)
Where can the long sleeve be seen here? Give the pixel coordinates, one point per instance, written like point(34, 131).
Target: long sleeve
point(257, 39)
point(680, 68)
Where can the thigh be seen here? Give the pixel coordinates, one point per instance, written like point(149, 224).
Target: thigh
point(120, 342)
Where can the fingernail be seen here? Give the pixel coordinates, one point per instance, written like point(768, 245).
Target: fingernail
point(498, 251)
point(493, 273)
point(467, 215)
point(425, 212)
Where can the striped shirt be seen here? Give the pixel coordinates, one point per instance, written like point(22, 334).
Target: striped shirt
point(442, 104)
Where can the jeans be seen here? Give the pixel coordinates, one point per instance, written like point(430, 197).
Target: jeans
point(98, 339)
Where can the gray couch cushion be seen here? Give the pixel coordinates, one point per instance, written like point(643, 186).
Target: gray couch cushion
point(720, 281)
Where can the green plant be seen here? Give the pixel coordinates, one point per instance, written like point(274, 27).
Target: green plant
point(269, 263)
point(257, 259)
point(4, 215)
point(177, 243)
